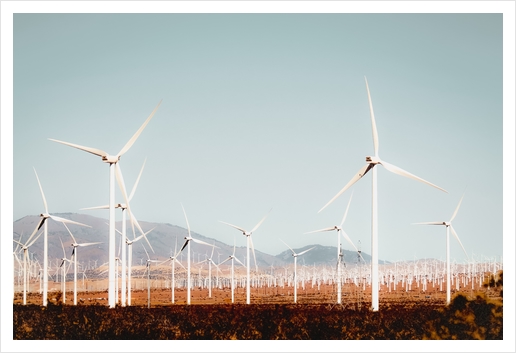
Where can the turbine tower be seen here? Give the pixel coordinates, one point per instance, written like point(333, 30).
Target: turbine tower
point(113, 164)
point(372, 161)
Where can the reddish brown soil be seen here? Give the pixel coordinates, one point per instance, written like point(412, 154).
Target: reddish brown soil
point(351, 295)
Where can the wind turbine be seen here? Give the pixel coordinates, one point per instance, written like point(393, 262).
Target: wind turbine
point(295, 266)
point(232, 257)
point(64, 271)
point(25, 248)
point(124, 207)
point(372, 161)
point(130, 262)
point(74, 255)
point(113, 164)
point(42, 222)
point(210, 261)
point(187, 242)
point(174, 259)
point(147, 269)
point(249, 241)
point(339, 253)
point(448, 226)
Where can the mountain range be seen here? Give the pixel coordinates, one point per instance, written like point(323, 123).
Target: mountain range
point(163, 239)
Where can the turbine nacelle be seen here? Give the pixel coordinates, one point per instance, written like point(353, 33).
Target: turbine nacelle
point(373, 160)
point(110, 159)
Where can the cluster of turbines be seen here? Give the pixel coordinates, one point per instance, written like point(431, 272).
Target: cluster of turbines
point(375, 278)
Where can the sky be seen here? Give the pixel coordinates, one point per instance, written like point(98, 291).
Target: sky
point(266, 111)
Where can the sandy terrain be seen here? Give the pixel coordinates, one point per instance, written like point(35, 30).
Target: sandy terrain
point(161, 295)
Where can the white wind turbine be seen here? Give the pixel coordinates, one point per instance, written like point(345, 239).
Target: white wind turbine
point(249, 241)
point(74, 255)
point(295, 266)
point(25, 248)
point(130, 262)
point(232, 257)
point(372, 161)
point(64, 272)
point(449, 226)
point(147, 269)
point(42, 222)
point(210, 261)
point(339, 253)
point(187, 243)
point(113, 164)
point(124, 207)
point(173, 260)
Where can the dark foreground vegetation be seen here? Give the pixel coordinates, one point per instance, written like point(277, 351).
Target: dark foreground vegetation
point(480, 318)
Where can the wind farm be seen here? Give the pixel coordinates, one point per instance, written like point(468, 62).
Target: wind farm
point(259, 131)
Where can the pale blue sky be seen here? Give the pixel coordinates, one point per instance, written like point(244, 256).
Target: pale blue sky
point(269, 110)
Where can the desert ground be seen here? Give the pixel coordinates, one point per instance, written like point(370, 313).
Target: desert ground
point(94, 292)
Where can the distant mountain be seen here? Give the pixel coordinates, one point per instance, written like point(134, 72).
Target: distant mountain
point(320, 255)
point(163, 241)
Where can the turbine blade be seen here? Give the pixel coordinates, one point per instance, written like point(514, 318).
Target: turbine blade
point(42, 193)
point(40, 223)
point(180, 264)
point(254, 255)
point(91, 150)
point(303, 252)
point(293, 252)
point(229, 258)
point(188, 224)
point(457, 209)
point(399, 171)
point(96, 208)
point(259, 223)
point(121, 184)
point(363, 171)
point(346, 213)
point(321, 230)
point(17, 242)
point(137, 181)
point(344, 234)
point(231, 225)
point(64, 220)
point(17, 259)
point(184, 245)
point(240, 262)
point(137, 134)
point(373, 121)
point(73, 238)
point(148, 258)
point(201, 242)
point(88, 244)
point(64, 253)
point(431, 223)
point(144, 234)
point(457, 237)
